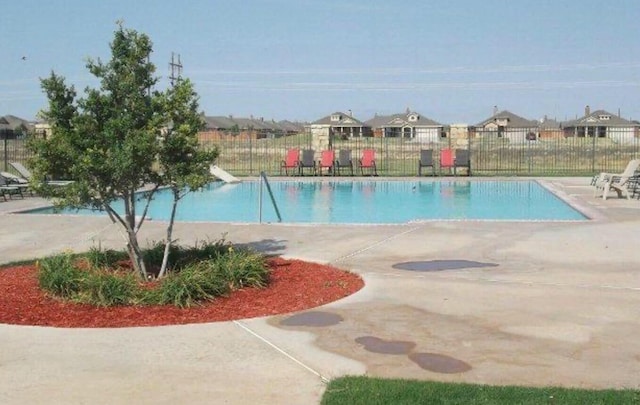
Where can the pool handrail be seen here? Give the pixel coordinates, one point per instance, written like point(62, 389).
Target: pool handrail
point(263, 178)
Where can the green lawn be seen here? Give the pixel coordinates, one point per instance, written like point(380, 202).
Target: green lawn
point(371, 391)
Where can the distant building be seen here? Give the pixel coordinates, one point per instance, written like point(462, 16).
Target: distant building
point(409, 124)
point(549, 129)
point(505, 124)
point(221, 127)
point(601, 124)
point(344, 126)
point(12, 127)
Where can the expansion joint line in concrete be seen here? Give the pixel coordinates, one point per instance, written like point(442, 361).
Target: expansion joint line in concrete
point(378, 243)
point(281, 351)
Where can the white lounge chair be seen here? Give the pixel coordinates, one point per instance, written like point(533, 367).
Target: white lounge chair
point(26, 174)
point(617, 182)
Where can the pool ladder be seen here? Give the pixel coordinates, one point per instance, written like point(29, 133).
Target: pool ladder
point(263, 179)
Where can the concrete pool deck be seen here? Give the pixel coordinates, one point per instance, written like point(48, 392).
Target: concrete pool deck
point(526, 303)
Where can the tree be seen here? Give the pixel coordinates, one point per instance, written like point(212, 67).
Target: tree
point(121, 137)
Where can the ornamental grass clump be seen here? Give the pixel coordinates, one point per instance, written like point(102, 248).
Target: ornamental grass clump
point(191, 285)
point(60, 276)
point(196, 275)
point(242, 268)
point(106, 288)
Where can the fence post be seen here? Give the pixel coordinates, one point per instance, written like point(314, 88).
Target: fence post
point(250, 152)
point(6, 153)
point(593, 155)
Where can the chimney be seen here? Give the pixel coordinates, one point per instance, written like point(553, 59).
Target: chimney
point(587, 111)
point(350, 113)
point(495, 109)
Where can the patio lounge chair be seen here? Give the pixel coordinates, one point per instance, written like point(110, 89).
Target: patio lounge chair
point(426, 160)
point(327, 161)
point(462, 159)
point(632, 167)
point(446, 159)
point(308, 161)
point(11, 180)
point(26, 174)
point(6, 189)
point(604, 181)
point(620, 184)
point(344, 161)
point(368, 161)
point(291, 161)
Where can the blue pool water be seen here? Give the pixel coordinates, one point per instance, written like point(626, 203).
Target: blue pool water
point(367, 202)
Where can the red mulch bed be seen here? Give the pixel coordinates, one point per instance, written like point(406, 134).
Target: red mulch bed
point(295, 285)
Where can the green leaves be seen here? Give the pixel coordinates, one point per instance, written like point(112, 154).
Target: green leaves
point(120, 136)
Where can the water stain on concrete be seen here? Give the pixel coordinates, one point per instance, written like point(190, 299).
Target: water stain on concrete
point(377, 345)
point(441, 265)
point(439, 363)
point(313, 318)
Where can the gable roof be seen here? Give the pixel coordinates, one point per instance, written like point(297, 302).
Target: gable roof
point(401, 120)
point(596, 118)
point(14, 122)
point(345, 120)
point(548, 123)
point(515, 121)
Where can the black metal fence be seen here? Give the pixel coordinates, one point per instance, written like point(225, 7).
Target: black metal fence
point(12, 150)
point(490, 154)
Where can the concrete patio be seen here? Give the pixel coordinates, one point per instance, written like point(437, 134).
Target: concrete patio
point(526, 303)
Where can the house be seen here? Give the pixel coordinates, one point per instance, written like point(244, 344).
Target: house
point(601, 124)
point(409, 124)
point(344, 126)
point(549, 129)
point(12, 127)
point(221, 127)
point(505, 124)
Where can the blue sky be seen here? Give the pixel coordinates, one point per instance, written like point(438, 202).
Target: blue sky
point(452, 61)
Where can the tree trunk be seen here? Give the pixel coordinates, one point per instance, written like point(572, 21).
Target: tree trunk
point(168, 241)
point(135, 253)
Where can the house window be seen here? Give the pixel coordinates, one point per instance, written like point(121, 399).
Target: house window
point(604, 117)
point(581, 132)
point(406, 132)
point(392, 132)
point(335, 117)
point(602, 132)
point(591, 132)
point(500, 131)
point(413, 118)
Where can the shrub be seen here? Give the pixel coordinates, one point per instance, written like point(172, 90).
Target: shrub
point(200, 273)
point(108, 288)
point(202, 251)
point(191, 285)
point(242, 268)
point(60, 276)
point(98, 258)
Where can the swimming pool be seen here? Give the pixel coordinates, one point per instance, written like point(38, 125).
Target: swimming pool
point(367, 202)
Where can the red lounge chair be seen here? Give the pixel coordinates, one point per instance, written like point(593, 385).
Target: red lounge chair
point(446, 159)
point(291, 161)
point(368, 161)
point(327, 161)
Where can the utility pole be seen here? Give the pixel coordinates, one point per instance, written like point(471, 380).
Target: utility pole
point(175, 68)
